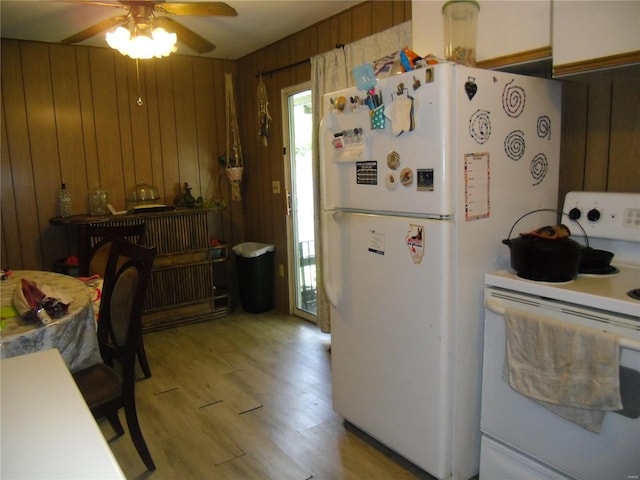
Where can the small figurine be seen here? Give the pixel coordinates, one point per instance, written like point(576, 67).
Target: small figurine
point(189, 201)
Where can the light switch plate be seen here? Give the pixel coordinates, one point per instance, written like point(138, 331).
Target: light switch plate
point(275, 186)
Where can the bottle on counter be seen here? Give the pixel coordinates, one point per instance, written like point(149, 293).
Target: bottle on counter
point(98, 201)
point(64, 201)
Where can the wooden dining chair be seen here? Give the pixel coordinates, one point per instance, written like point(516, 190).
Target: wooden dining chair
point(109, 386)
point(98, 239)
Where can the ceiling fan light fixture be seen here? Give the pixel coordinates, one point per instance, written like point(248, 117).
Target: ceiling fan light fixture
point(118, 39)
point(142, 46)
point(165, 42)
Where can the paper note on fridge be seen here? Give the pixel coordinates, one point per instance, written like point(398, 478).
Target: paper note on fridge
point(376, 242)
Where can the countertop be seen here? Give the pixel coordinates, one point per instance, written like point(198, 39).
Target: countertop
point(47, 429)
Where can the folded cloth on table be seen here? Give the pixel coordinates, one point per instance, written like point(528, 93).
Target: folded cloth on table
point(39, 302)
point(570, 369)
point(94, 283)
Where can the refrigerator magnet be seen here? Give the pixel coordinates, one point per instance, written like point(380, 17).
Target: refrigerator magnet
point(514, 98)
point(393, 160)
point(470, 87)
point(376, 242)
point(415, 242)
point(477, 179)
point(390, 181)
point(367, 173)
point(425, 180)
point(480, 126)
point(406, 176)
point(544, 127)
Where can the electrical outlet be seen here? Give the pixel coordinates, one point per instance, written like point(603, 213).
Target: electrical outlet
point(281, 270)
point(275, 186)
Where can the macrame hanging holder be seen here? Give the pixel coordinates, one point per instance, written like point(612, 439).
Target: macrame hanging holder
point(235, 164)
point(263, 113)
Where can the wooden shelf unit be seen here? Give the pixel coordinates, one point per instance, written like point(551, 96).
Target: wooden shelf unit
point(190, 279)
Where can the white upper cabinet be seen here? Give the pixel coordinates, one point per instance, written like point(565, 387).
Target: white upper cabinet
point(580, 32)
point(584, 30)
point(504, 27)
point(426, 28)
point(511, 27)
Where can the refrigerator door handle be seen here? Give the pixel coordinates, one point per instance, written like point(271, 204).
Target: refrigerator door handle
point(329, 288)
point(323, 131)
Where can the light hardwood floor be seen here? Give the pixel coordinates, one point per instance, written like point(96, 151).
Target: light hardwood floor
point(247, 397)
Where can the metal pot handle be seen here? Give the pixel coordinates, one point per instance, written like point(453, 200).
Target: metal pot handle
point(586, 238)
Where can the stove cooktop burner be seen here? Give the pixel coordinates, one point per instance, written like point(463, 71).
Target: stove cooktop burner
point(635, 293)
point(599, 272)
point(542, 279)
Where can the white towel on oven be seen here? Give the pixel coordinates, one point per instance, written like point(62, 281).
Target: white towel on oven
point(570, 369)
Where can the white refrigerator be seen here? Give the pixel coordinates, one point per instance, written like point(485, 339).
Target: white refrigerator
point(414, 208)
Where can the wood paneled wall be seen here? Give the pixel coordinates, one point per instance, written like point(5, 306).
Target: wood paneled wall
point(601, 131)
point(70, 114)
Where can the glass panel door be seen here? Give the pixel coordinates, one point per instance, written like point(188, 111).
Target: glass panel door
point(298, 163)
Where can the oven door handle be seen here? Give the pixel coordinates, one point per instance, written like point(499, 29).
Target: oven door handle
point(496, 307)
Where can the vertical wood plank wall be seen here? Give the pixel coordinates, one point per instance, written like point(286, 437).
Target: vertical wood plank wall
point(69, 113)
point(600, 149)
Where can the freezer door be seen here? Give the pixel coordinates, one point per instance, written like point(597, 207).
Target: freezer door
point(480, 144)
point(507, 147)
point(390, 331)
point(368, 165)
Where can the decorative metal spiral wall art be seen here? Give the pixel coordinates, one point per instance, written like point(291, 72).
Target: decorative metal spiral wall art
point(480, 126)
point(514, 145)
point(539, 167)
point(544, 127)
point(513, 99)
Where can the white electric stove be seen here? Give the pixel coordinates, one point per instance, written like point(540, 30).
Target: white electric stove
point(611, 222)
point(521, 439)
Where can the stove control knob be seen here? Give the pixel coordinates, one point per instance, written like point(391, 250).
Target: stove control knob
point(574, 213)
point(593, 215)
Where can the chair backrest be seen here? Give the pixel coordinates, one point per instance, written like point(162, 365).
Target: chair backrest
point(98, 240)
point(124, 291)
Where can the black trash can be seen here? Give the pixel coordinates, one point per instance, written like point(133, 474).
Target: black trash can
point(255, 269)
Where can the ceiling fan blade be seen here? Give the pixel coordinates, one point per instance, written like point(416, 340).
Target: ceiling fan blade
point(216, 9)
point(115, 3)
point(185, 35)
point(95, 29)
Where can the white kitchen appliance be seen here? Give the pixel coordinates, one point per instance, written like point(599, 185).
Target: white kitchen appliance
point(520, 438)
point(415, 206)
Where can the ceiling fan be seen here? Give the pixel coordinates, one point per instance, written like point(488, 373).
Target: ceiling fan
point(143, 16)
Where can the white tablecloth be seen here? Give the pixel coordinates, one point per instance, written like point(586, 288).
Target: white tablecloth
point(74, 335)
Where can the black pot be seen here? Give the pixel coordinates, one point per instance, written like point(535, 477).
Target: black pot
point(595, 261)
point(546, 260)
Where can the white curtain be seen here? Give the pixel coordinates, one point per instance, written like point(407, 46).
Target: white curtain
point(331, 71)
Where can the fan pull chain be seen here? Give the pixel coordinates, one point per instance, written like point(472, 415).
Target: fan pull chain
point(139, 101)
